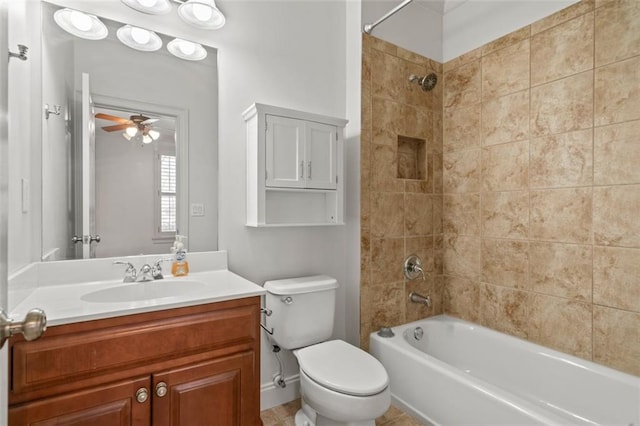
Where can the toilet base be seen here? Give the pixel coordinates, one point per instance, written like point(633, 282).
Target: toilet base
point(302, 419)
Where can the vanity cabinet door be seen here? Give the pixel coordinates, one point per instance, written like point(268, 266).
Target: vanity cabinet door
point(221, 392)
point(108, 405)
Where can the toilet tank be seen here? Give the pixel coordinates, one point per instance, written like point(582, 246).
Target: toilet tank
point(302, 310)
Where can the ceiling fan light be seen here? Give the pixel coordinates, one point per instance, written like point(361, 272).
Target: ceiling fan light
point(126, 136)
point(154, 134)
point(147, 139)
point(187, 50)
point(131, 131)
point(202, 14)
point(139, 38)
point(151, 7)
point(80, 24)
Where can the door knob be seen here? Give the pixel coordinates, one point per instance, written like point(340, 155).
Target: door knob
point(161, 389)
point(32, 327)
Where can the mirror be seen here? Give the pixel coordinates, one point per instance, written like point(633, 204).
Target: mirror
point(116, 195)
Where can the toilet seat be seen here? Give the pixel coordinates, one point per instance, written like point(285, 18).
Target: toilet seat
point(343, 368)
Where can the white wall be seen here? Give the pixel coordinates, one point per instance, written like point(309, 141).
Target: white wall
point(415, 27)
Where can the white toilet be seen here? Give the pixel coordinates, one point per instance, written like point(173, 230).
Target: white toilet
point(340, 384)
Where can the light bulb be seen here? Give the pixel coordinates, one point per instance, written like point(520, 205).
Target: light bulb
point(148, 3)
point(202, 12)
point(154, 134)
point(146, 139)
point(131, 131)
point(140, 36)
point(126, 136)
point(80, 20)
point(186, 47)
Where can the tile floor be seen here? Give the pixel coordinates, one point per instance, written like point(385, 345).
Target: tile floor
point(283, 415)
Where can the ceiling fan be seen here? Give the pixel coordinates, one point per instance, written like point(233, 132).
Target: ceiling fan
point(136, 125)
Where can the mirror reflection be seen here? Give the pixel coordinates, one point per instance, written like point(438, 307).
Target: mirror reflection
point(135, 127)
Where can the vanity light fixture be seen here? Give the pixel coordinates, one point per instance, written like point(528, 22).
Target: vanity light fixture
point(139, 38)
point(187, 50)
point(202, 14)
point(151, 7)
point(81, 24)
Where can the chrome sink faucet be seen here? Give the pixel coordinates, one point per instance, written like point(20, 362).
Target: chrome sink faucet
point(144, 274)
point(156, 269)
point(130, 274)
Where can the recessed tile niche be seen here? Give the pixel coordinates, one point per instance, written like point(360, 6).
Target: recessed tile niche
point(412, 158)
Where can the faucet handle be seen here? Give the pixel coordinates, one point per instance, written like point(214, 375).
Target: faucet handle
point(130, 274)
point(413, 267)
point(156, 270)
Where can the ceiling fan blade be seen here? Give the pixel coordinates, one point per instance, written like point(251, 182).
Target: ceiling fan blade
point(116, 127)
point(112, 118)
point(150, 120)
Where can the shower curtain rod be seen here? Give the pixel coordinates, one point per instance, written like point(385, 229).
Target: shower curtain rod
point(367, 28)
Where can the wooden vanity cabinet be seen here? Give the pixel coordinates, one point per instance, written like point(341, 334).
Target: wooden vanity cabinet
point(198, 365)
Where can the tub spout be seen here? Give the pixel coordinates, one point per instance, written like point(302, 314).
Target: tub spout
point(418, 298)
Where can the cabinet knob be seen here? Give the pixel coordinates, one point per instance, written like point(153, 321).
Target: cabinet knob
point(161, 389)
point(142, 395)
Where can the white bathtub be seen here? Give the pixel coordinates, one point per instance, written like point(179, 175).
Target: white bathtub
point(460, 373)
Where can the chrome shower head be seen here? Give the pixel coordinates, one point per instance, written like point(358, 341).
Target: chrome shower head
point(428, 82)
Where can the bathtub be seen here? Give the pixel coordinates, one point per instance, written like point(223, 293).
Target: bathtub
point(460, 373)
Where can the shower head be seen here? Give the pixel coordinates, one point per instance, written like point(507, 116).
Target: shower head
point(428, 82)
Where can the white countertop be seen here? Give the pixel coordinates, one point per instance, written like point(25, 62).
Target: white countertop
point(67, 303)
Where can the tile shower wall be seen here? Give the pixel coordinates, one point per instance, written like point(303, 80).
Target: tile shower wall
point(401, 185)
point(541, 184)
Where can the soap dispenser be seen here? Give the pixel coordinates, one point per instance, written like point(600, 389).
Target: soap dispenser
point(180, 266)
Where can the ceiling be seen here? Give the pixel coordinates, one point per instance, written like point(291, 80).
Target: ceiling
point(440, 6)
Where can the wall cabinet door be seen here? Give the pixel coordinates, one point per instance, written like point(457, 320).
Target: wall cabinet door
point(300, 154)
point(109, 405)
point(217, 392)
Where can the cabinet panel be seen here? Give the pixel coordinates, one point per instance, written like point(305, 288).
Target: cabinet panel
point(109, 405)
point(218, 392)
point(285, 152)
point(320, 155)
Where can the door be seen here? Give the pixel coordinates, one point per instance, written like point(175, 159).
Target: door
point(110, 405)
point(285, 164)
point(86, 188)
point(212, 393)
point(321, 157)
point(4, 196)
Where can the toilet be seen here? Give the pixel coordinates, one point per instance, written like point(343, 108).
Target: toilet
point(340, 384)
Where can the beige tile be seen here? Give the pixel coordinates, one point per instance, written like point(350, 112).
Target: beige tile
point(462, 298)
point(385, 304)
point(461, 171)
point(616, 335)
point(437, 175)
point(384, 167)
point(505, 214)
point(505, 309)
point(561, 324)
point(563, 50)
point(385, 125)
point(617, 31)
point(288, 409)
point(467, 57)
point(505, 263)
point(616, 277)
point(438, 254)
point(387, 214)
point(507, 40)
point(461, 128)
point(562, 215)
point(461, 214)
point(386, 260)
point(412, 93)
point(505, 167)
point(385, 72)
point(371, 42)
point(506, 119)
point(616, 154)
point(462, 256)
point(365, 258)
point(617, 92)
point(506, 70)
point(438, 214)
point(418, 214)
point(415, 122)
point(366, 108)
point(582, 7)
point(426, 287)
point(562, 160)
point(615, 215)
point(563, 270)
point(392, 413)
point(462, 85)
point(423, 248)
point(562, 105)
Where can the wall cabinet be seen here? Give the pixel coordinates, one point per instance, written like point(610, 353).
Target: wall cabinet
point(187, 366)
point(294, 167)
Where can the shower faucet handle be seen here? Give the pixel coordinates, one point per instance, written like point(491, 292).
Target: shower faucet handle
point(413, 268)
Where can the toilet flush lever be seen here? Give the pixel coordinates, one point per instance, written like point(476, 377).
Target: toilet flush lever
point(288, 300)
point(268, 313)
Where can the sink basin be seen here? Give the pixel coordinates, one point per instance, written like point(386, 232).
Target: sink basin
point(133, 292)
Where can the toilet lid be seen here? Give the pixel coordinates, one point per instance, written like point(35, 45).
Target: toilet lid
point(343, 368)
